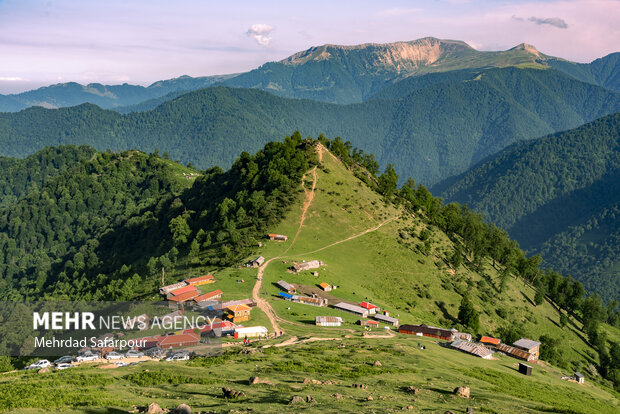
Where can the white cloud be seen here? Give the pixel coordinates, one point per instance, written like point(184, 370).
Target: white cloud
point(260, 33)
point(10, 78)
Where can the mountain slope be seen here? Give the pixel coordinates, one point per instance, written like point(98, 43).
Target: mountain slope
point(374, 247)
point(430, 129)
point(550, 194)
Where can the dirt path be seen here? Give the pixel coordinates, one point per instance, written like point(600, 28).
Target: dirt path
point(309, 196)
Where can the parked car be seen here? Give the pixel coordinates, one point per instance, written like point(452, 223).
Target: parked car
point(132, 353)
point(113, 355)
point(87, 356)
point(63, 365)
point(155, 352)
point(40, 364)
point(178, 357)
point(65, 360)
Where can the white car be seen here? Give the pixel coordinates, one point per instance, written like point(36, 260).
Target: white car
point(43, 363)
point(178, 357)
point(87, 357)
point(120, 364)
point(133, 354)
point(113, 355)
point(63, 365)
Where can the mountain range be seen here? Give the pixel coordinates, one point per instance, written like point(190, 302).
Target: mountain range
point(431, 127)
point(328, 73)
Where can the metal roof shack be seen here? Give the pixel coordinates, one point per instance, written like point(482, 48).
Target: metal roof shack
point(180, 340)
point(328, 321)
point(312, 264)
point(386, 319)
point(368, 322)
point(200, 280)
point(528, 345)
point(248, 302)
point(285, 286)
point(579, 378)
point(216, 294)
point(307, 300)
point(167, 289)
point(478, 350)
point(347, 307)
point(325, 286)
point(256, 262)
point(516, 352)
point(431, 331)
point(278, 237)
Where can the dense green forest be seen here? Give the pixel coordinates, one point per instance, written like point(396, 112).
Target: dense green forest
point(440, 128)
point(558, 196)
point(21, 176)
point(99, 229)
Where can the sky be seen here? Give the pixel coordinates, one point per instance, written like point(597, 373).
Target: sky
point(44, 42)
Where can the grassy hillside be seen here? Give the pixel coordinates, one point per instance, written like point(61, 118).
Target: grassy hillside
point(372, 249)
point(556, 195)
point(439, 128)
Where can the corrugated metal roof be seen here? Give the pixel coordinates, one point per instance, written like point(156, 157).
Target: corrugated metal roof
point(519, 353)
point(368, 305)
point(286, 295)
point(526, 343)
point(478, 350)
point(328, 319)
point(386, 319)
point(351, 308)
point(209, 295)
point(199, 279)
point(182, 290)
point(285, 285)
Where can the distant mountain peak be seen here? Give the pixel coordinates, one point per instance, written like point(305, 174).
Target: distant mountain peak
point(527, 48)
point(403, 55)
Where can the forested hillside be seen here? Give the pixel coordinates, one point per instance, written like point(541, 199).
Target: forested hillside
point(21, 176)
point(559, 196)
point(439, 127)
point(91, 231)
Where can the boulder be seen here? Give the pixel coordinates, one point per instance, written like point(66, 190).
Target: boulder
point(254, 380)
point(377, 363)
point(469, 410)
point(154, 408)
point(183, 409)
point(296, 400)
point(232, 394)
point(337, 396)
point(369, 398)
point(44, 370)
point(360, 386)
point(462, 392)
point(310, 399)
point(412, 390)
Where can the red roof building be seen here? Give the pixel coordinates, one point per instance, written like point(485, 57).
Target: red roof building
point(179, 340)
point(372, 309)
point(184, 297)
point(487, 340)
point(183, 290)
point(200, 280)
point(215, 295)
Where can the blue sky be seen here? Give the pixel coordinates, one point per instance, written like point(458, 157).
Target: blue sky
point(141, 41)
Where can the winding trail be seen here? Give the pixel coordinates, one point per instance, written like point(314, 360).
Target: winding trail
point(309, 197)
